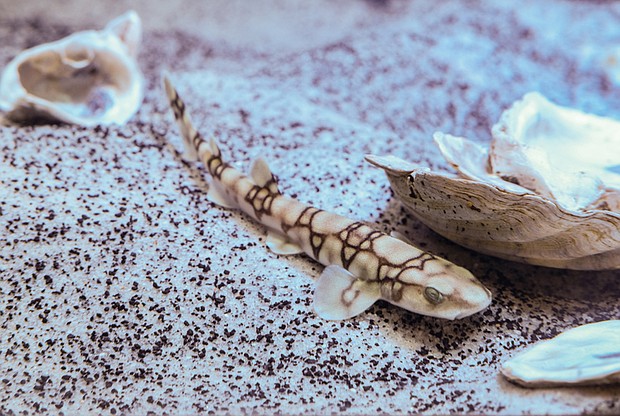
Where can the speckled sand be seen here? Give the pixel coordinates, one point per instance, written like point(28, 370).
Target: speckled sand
point(124, 291)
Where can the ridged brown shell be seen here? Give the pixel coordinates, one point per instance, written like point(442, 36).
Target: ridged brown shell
point(547, 192)
point(513, 225)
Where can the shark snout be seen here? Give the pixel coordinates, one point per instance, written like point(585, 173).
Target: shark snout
point(478, 299)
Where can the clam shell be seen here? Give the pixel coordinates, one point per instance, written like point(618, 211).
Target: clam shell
point(589, 354)
point(520, 201)
point(88, 78)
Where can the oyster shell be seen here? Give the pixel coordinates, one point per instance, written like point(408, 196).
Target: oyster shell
point(589, 354)
point(561, 153)
point(88, 78)
point(505, 201)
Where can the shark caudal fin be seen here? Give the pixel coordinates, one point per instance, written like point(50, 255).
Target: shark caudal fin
point(197, 147)
point(341, 295)
point(191, 138)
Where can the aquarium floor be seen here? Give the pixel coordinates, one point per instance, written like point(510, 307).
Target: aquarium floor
point(123, 290)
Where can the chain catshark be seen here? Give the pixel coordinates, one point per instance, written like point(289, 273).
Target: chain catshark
point(362, 265)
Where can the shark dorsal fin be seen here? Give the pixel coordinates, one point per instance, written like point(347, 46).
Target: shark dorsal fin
point(262, 176)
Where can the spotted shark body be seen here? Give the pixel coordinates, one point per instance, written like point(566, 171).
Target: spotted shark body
point(363, 265)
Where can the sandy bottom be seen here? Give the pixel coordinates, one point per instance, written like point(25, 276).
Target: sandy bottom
point(124, 291)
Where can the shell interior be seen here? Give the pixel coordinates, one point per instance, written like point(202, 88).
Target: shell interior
point(87, 78)
point(561, 153)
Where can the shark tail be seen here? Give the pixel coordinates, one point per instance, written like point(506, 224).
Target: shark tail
point(195, 146)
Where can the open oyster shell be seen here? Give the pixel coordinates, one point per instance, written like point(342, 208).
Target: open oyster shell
point(561, 153)
point(88, 78)
point(505, 202)
point(589, 354)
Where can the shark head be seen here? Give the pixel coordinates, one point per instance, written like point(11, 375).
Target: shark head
point(442, 289)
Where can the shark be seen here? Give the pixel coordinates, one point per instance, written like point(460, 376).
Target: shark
point(363, 265)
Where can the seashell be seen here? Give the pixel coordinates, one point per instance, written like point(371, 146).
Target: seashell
point(586, 355)
point(561, 153)
point(514, 201)
point(88, 78)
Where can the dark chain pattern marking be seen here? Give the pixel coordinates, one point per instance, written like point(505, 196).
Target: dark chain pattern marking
point(305, 220)
point(261, 199)
point(178, 106)
point(354, 242)
point(214, 162)
point(418, 263)
point(350, 302)
point(216, 166)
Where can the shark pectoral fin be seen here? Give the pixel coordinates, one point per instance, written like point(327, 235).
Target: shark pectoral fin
point(280, 244)
point(219, 197)
point(341, 295)
point(262, 176)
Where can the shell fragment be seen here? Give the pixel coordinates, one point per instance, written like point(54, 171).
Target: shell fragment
point(589, 354)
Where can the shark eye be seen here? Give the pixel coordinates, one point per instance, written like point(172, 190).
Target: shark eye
point(433, 295)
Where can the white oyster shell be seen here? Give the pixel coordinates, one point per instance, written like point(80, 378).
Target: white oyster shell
point(589, 354)
point(505, 201)
point(88, 78)
point(561, 153)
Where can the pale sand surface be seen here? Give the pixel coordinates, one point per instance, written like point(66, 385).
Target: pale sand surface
point(124, 291)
